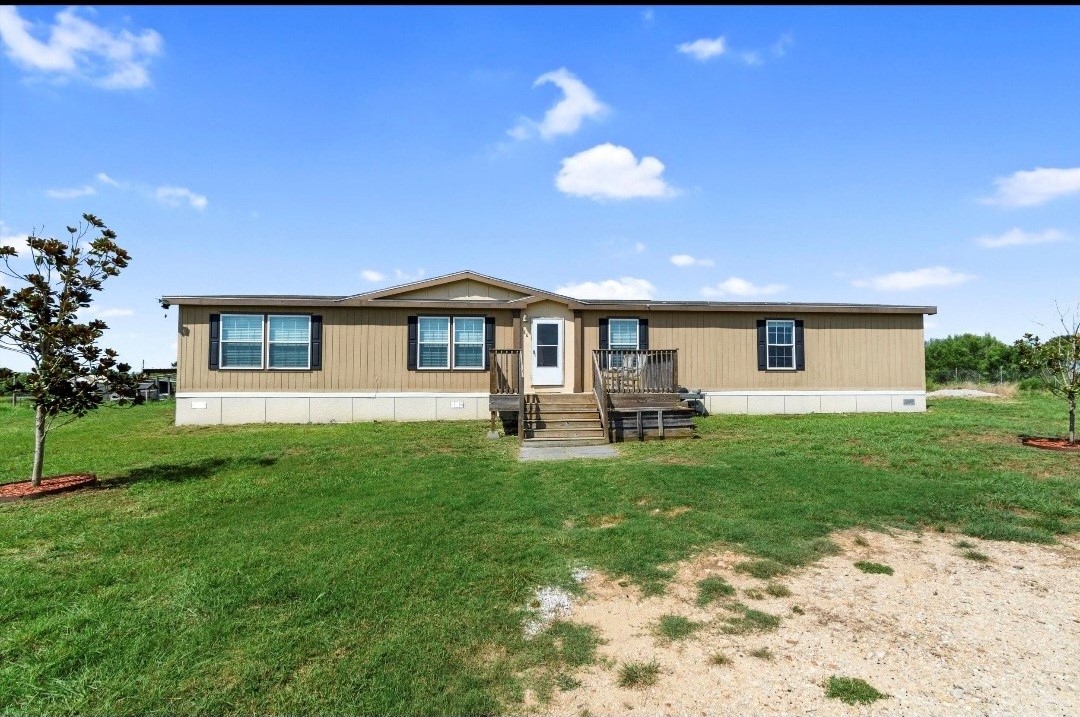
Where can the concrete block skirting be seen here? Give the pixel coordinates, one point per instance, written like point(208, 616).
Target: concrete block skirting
point(194, 409)
point(775, 402)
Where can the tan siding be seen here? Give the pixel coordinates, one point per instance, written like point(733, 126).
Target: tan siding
point(718, 351)
point(364, 349)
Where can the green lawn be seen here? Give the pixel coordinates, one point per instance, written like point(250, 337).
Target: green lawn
point(383, 568)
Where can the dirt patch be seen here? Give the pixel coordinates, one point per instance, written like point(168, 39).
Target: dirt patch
point(676, 511)
point(49, 486)
point(604, 521)
point(943, 634)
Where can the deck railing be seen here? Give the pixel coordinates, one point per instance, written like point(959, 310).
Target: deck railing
point(638, 371)
point(601, 394)
point(505, 371)
point(508, 379)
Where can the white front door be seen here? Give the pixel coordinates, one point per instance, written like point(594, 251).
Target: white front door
point(547, 350)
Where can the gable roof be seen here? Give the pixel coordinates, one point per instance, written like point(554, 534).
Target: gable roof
point(524, 295)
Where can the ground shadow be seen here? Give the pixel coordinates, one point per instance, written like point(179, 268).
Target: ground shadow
point(183, 472)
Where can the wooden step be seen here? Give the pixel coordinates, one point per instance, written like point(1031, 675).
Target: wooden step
point(550, 398)
point(577, 432)
point(566, 442)
point(545, 422)
point(558, 414)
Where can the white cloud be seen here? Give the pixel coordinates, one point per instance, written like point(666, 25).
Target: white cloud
point(648, 17)
point(610, 172)
point(626, 287)
point(639, 248)
point(687, 260)
point(71, 193)
point(704, 49)
point(780, 47)
point(1034, 187)
point(106, 179)
point(78, 49)
point(372, 275)
point(405, 277)
point(1019, 237)
point(176, 196)
point(111, 313)
point(740, 287)
point(917, 279)
point(13, 239)
point(565, 117)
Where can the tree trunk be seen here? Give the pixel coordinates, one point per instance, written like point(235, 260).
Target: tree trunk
point(39, 446)
point(1072, 420)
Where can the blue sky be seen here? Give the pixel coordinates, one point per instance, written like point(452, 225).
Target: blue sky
point(881, 155)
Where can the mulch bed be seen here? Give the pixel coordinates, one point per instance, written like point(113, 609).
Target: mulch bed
point(49, 486)
point(1051, 444)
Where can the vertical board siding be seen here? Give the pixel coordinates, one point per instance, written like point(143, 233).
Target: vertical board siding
point(718, 351)
point(364, 349)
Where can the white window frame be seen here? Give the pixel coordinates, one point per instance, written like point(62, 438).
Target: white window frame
point(449, 345)
point(621, 362)
point(264, 345)
point(454, 342)
point(307, 366)
point(450, 362)
point(222, 342)
point(768, 344)
point(637, 334)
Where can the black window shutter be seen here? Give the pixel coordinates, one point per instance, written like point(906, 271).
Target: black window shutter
point(800, 352)
point(316, 343)
point(489, 339)
point(762, 350)
point(215, 340)
point(643, 334)
point(413, 330)
point(603, 334)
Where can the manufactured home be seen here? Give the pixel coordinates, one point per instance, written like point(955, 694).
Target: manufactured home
point(469, 346)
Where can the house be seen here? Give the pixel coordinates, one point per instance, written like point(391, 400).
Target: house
point(469, 346)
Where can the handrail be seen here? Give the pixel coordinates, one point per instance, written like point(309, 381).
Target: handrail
point(505, 368)
point(521, 399)
point(601, 396)
point(638, 371)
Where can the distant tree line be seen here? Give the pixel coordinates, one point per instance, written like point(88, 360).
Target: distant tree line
point(970, 357)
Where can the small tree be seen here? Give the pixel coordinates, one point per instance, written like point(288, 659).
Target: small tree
point(1057, 361)
point(70, 374)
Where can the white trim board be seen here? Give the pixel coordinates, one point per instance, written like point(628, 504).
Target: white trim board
point(902, 392)
point(328, 394)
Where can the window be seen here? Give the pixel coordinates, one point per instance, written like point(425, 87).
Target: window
point(290, 341)
point(434, 342)
point(257, 341)
point(241, 341)
point(780, 343)
point(450, 342)
point(623, 335)
point(469, 342)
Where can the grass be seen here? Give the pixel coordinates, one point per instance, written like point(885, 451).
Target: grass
point(748, 620)
point(874, 568)
point(676, 627)
point(754, 593)
point(852, 690)
point(386, 568)
point(976, 556)
point(711, 589)
point(762, 569)
point(777, 590)
point(636, 675)
point(762, 653)
point(719, 659)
